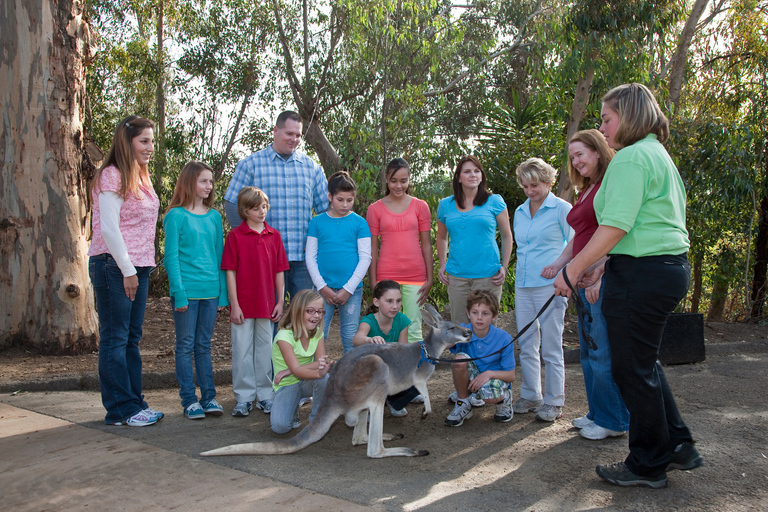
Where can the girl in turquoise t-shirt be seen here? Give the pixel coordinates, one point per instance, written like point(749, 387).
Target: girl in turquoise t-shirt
point(299, 360)
point(194, 242)
point(384, 323)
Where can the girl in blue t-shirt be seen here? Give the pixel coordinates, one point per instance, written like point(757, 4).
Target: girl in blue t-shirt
point(194, 242)
point(338, 255)
point(384, 323)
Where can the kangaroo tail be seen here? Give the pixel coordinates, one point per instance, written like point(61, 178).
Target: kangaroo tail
point(312, 433)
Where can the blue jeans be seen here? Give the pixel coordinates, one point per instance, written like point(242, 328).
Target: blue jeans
point(640, 293)
point(194, 328)
point(297, 278)
point(349, 318)
point(120, 322)
point(286, 405)
point(606, 407)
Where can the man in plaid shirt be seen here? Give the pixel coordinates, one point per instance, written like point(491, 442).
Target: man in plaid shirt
point(295, 185)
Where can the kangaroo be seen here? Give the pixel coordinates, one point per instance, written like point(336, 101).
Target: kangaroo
point(358, 385)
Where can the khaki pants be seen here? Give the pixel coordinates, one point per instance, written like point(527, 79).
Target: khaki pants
point(458, 290)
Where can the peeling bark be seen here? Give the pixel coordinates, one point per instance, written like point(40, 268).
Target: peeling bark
point(46, 298)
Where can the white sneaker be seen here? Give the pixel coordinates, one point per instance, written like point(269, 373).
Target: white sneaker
point(397, 412)
point(523, 406)
point(549, 412)
point(461, 411)
point(595, 432)
point(582, 422)
point(473, 400)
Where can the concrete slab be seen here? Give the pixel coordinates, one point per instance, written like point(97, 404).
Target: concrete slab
point(52, 464)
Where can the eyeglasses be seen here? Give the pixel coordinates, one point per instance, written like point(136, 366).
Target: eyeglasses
point(313, 312)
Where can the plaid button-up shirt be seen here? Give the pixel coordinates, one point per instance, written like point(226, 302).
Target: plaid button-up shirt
point(294, 186)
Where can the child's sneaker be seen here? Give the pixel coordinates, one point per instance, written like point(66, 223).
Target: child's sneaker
point(473, 400)
point(242, 409)
point(265, 405)
point(522, 406)
point(461, 411)
point(141, 419)
point(213, 408)
point(504, 411)
point(418, 399)
point(397, 412)
point(304, 401)
point(194, 412)
point(549, 412)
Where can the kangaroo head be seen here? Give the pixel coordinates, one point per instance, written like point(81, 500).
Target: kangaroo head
point(444, 332)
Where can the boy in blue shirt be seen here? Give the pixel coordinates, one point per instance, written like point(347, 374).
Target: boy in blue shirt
point(490, 377)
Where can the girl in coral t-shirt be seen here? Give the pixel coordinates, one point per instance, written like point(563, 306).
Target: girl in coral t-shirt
point(404, 254)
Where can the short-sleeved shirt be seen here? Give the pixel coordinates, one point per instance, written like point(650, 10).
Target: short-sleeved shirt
point(256, 258)
point(337, 252)
point(303, 356)
point(492, 342)
point(399, 324)
point(400, 256)
point(643, 195)
point(540, 240)
point(583, 220)
point(193, 250)
point(472, 249)
point(138, 220)
point(295, 186)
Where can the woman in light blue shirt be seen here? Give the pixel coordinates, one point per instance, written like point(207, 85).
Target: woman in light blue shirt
point(466, 235)
point(541, 233)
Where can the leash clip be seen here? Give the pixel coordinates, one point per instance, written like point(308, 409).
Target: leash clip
point(425, 356)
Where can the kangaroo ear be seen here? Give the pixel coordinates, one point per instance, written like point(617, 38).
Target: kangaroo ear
point(431, 317)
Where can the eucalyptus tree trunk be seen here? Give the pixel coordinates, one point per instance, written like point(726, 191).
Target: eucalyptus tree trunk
point(578, 110)
point(46, 298)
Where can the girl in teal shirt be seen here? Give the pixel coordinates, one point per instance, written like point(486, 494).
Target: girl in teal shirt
point(194, 242)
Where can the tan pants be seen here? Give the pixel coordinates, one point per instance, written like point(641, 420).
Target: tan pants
point(458, 290)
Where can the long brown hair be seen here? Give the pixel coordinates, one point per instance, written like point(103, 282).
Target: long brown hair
point(186, 186)
point(458, 193)
point(595, 141)
point(134, 177)
point(379, 290)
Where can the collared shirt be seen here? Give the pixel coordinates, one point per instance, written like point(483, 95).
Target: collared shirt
point(256, 259)
point(643, 194)
point(295, 186)
point(494, 341)
point(540, 240)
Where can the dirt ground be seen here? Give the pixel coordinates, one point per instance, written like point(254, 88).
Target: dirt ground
point(482, 465)
point(157, 345)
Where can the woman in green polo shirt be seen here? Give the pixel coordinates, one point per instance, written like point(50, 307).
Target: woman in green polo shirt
point(641, 211)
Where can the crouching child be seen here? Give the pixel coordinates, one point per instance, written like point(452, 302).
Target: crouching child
point(490, 377)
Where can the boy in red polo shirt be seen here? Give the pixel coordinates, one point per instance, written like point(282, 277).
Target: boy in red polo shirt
point(255, 259)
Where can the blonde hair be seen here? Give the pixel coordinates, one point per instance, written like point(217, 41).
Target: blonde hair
point(535, 170)
point(595, 141)
point(293, 318)
point(133, 177)
point(639, 114)
point(250, 197)
point(186, 186)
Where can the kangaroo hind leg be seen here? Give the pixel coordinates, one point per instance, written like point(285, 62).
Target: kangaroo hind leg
point(376, 435)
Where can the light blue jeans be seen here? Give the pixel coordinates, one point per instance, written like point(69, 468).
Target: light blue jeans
point(349, 318)
point(194, 328)
point(606, 407)
point(286, 404)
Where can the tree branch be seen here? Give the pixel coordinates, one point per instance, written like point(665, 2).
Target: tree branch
point(299, 95)
point(453, 85)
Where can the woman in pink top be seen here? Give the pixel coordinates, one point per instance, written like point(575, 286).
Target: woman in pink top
point(404, 255)
point(122, 253)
